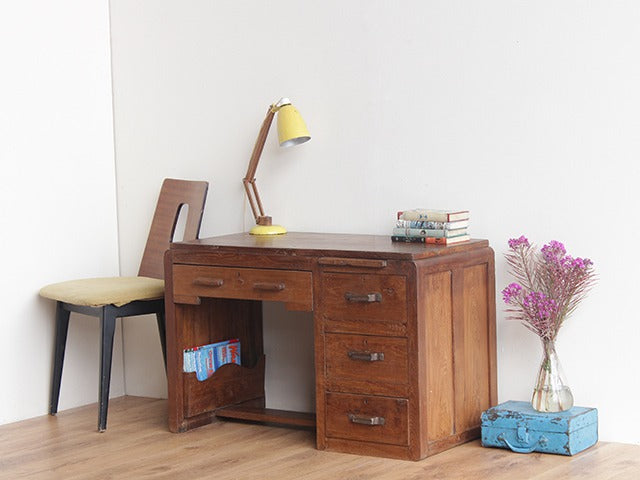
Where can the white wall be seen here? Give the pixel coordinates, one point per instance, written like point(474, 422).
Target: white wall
point(58, 215)
point(524, 112)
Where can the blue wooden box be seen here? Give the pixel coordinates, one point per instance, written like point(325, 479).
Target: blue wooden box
point(517, 426)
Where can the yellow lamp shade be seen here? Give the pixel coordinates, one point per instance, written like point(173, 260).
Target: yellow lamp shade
point(291, 127)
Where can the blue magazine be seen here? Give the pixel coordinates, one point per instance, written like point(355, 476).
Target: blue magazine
point(206, 359)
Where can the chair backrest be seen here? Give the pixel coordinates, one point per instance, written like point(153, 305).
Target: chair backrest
point(173, 195)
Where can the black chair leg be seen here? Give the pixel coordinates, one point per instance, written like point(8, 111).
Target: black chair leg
point(108, 327)
point(162, 331)
point(62, 327)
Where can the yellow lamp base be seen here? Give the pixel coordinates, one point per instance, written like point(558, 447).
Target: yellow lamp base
point(267, 230)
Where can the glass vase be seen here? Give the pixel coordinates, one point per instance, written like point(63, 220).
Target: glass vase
point(551, 393)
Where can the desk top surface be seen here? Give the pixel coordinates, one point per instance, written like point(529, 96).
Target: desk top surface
point(325, 244)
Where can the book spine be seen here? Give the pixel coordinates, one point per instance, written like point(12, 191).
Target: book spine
point(403, 238)
point(426, 215)
point(429, 240)
point(438, 241)
point(426, 232)
point(432, 225)
point(416, 216)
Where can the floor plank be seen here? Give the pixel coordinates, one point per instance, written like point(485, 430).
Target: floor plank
point(138, 445)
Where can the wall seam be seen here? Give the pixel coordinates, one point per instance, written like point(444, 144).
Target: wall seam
point(116, 177)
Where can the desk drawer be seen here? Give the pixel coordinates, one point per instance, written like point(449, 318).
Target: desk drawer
point(366, 364)
point(367, 418)
point(375, 304)
point(292, 287)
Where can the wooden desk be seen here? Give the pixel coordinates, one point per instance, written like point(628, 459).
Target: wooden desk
point(405, 357)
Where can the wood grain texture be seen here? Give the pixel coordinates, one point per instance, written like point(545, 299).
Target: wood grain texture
point(345, 412)
point(472, 354)
point(412, 304)
point(291, 287)
point(267, 415)
point(201, 325)
point(229, 384)
point(386, 316)
point(341, 292)
point(325, 245)
point(439, 335)
point(173, 195)
point(138, 445)
point(354, 365)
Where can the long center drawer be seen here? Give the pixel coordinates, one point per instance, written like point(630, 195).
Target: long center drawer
point(287, 286)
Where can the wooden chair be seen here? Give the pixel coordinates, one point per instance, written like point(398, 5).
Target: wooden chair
point(110, 298)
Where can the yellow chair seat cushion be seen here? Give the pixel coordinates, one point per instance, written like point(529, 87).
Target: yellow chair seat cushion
point(97, 292)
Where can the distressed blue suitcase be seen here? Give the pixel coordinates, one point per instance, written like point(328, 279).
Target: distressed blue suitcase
point(517, 426)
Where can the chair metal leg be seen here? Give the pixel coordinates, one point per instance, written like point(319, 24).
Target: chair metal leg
point(108, 327)
point(62, 327)
point(162, 331)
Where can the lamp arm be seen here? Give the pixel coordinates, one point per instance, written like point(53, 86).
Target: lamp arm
point(249, 180)
point(248, 188)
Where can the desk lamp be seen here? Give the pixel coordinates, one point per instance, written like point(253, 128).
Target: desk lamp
point(291, 131)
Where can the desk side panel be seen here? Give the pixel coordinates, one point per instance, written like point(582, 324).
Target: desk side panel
point(457, 309)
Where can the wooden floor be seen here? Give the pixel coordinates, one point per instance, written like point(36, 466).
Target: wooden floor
point(137, 444)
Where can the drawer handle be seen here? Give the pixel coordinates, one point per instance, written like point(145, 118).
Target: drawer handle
point(527, 447)
point(269, 287)
point(366, 356)
point(360, 420)
point(363, 298)
point(208, 282)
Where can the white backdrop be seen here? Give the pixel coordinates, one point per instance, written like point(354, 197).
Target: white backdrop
point(58, 196)
point(526, 113)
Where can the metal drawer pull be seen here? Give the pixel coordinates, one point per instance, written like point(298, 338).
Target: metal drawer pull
point(208, 282)
point(269, 287)
point(360, 420)
point(366, 356)
point(363, 298)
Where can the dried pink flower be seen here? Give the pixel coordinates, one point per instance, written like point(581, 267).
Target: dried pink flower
point(550, 285)
point(553, 251)
point(511, 292)
point(514, 243)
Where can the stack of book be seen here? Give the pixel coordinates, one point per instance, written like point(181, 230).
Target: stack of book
point(440, 227)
